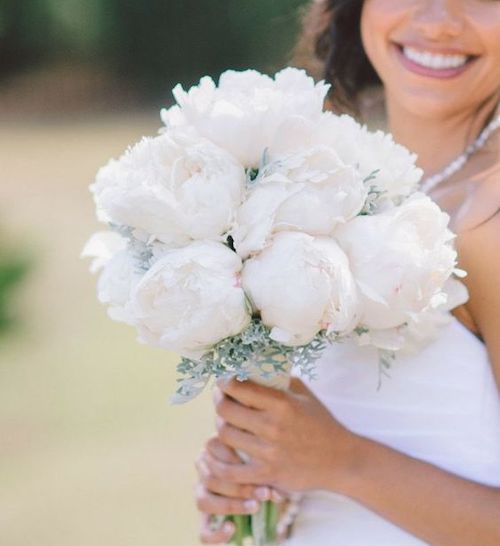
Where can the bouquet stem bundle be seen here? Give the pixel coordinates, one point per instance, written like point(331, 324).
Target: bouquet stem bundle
point(262, 526)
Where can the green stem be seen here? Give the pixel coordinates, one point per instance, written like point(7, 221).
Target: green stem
point(264, 525)
point(242, 528)
point(248, 526)
point(272, 518)
point(238, 534)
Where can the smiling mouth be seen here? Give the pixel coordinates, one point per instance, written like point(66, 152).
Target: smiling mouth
point(432, 60)
point(430, 63)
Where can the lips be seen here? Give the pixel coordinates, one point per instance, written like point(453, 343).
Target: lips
point(437, 64)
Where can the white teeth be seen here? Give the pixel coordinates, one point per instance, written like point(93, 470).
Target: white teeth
point(431, 60)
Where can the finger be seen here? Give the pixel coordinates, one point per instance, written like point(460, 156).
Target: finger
point(221, 451)
point(278, 496)
point(265, 493)
point(226, 489)
point(297, 386)
point(219, 535)
point(240, 416)
point(243, 474)
point(250, 394)
point(240, 439)
point(210, 503)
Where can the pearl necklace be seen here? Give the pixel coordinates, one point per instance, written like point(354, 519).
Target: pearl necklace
point(431, 182)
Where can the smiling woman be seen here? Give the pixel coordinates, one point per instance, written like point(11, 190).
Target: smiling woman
point(427, 53)
point(418, 461)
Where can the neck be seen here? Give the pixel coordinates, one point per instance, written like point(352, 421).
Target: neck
point(436, 143)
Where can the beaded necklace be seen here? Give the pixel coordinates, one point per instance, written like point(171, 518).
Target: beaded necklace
point(431, 182)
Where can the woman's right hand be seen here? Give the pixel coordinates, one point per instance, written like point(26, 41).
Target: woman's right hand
point(215, 497)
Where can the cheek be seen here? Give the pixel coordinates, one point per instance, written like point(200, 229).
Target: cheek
point(492, 47)
point(484, 25)
point(379, 19)
point(489, 34)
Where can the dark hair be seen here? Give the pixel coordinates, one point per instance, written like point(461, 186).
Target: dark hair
point(331, 48)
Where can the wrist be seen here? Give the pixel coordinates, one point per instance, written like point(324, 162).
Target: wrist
point(350, 459)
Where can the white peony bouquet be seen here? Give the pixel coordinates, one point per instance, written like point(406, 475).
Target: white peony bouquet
point(256, 228)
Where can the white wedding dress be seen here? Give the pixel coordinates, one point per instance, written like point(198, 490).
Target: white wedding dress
point(440, 406)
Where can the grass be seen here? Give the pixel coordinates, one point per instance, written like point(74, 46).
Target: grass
point(91, 453)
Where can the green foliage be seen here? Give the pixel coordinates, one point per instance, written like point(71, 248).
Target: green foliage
point(243, 355)
point(21, 38)
point(76, 25)
point(161, 42)
point(154, 43)
point(12, 271)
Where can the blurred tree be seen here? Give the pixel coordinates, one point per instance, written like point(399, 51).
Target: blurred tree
point(34, 31)
point(154, 43)
point(23, 33)
point(76, 26)
point(162, 42)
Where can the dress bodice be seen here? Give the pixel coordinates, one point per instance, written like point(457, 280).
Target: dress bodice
point(440, 406)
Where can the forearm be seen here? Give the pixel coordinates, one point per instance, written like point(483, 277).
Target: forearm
point(436, 506)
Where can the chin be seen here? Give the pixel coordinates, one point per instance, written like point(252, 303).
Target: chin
point(429, 104)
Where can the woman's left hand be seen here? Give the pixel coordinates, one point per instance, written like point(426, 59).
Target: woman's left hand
point(292, 441)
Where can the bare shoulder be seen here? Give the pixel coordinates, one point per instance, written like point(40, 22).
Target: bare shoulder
point(473, 195)
point(479, 254)
point(480, 201)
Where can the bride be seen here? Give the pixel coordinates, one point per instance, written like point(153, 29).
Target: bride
point(417, 461)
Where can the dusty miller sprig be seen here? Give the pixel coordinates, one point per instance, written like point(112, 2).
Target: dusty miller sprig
point(242, 355)
point(141, 251)
point(374, 195)
point(385, 361)
point(254, 174)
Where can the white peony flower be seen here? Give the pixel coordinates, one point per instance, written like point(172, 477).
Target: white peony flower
point(421, 328)
point(174, 187)
point(367, 151)
point(102, 246)
point(244, 111)
point(401, 259)
point(425, 327)
point(118, 278)
point(311, 191)
point(302, 285)
point(397, 174)
point(191, 299)
point(120, 272)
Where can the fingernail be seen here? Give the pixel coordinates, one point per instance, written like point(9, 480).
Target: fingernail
point(262, 493)
point(277, 497)
point(228, 528)
point(251, 506)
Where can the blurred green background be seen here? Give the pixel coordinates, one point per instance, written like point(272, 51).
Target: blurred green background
point(91, 453)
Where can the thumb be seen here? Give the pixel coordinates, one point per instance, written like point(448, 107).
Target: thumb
point(297, 386)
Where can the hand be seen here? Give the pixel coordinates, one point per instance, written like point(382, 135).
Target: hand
point(293, 442)
point(218, 497)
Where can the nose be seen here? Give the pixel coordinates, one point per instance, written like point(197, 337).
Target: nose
point(438, 19)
